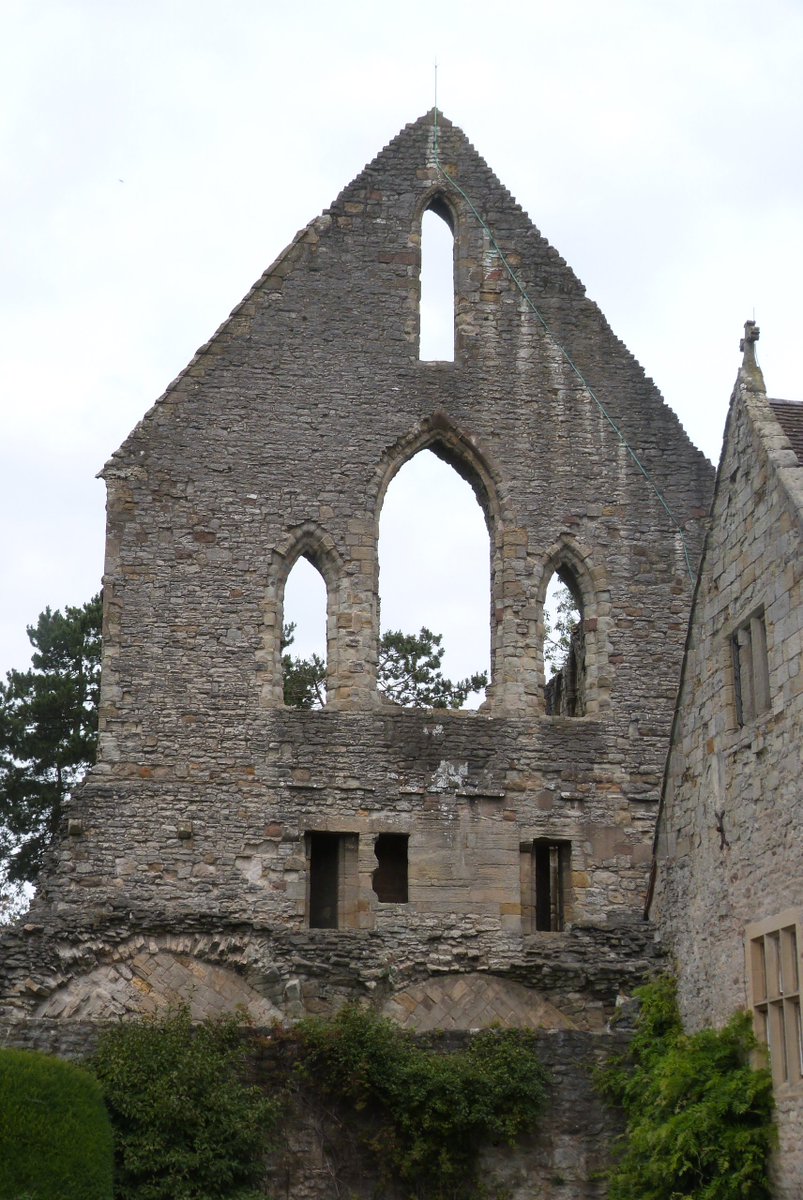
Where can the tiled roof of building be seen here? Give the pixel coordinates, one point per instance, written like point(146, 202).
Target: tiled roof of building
point(790, 419)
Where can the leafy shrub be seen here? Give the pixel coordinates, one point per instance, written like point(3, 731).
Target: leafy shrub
point(55, 1136)
point(427, 1112)
point(699, 1117)
point(186, 1127)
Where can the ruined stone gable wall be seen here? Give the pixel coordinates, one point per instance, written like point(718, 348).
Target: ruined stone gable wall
point(730, 845)
point(279, 440)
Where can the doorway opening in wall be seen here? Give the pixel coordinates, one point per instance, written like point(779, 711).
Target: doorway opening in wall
point(389, 880)
point(434, 576)
point(304, 637)
point(436, 312)
point(564, 647)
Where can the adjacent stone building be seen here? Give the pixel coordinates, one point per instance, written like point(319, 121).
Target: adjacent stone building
point(455, 868)
point(728, 893)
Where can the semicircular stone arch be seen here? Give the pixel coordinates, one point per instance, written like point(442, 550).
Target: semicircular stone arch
point(151, 983)
point(459, 1002)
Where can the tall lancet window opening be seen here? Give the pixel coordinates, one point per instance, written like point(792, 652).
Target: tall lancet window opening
point(564, 647)
point(304, 637)
point(434, 563)
point(437, 284)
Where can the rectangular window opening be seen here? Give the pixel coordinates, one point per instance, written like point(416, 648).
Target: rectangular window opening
point(546, 885)
point(773, 959)
point(750, 669)
point(389, 880)
point(332, 877)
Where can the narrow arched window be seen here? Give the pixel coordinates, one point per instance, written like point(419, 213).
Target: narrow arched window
point(304, 637)
point(437, 284)
point(564, 647)
point(434, 562)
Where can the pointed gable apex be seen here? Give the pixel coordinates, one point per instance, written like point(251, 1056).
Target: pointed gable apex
point(347, 288)
point(428, 156)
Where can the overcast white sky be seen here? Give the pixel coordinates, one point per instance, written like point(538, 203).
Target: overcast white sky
point(156, 155)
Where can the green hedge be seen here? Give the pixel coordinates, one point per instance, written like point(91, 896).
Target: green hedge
point(55, 1136)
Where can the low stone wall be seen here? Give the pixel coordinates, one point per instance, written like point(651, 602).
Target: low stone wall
point(320, 1157)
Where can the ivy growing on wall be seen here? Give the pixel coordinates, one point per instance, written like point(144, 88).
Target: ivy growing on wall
point(426, 1112)
point(185, 1125)
point(699, 1116)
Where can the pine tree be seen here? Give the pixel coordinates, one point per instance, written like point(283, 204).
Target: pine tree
point(561, 615)
point(48, 735)
point(409, 673)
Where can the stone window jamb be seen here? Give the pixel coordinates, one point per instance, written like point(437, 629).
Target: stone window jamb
point(332, 891)
point(546, 885)
point(436, 433)
point(569, 560)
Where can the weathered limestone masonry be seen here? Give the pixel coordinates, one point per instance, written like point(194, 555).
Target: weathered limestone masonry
point(195, 863)
point(729, 886)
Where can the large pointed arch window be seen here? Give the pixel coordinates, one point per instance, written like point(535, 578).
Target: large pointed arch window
point(437, 315)
point(434, 560)
point(304, 637)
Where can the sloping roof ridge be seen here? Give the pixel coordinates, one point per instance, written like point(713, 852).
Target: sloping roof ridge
point(119, 455)
point(748, 391)
point(444, 122)
point(773, 442)
point(789, 415)
point(240, 308)
point(428, 118)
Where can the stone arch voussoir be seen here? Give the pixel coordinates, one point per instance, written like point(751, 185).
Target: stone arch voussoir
point(461, 452)
point(439, 434)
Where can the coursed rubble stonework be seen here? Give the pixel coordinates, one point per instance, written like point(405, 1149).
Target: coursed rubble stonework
point(187, 870)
